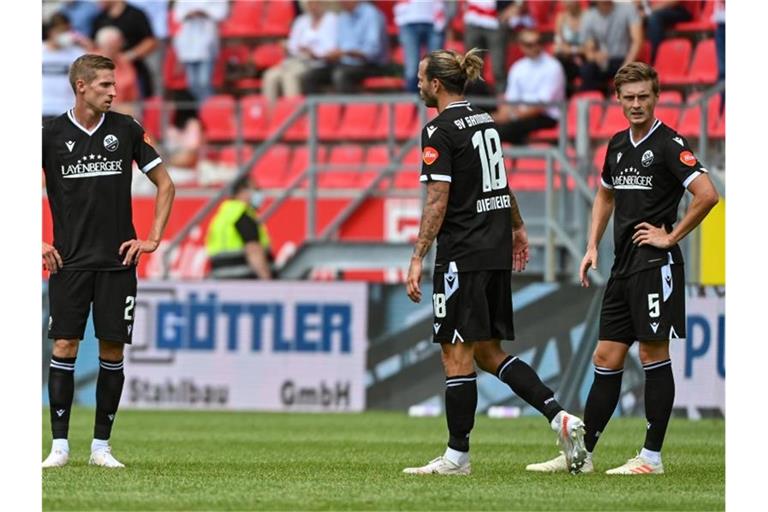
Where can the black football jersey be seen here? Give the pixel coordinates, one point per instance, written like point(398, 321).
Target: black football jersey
point(648, 179)
point(462, 146)
point(88, 178)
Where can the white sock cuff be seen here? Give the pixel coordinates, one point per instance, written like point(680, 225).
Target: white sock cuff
point(456, 456)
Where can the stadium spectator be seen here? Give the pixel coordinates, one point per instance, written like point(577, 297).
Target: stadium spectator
point(363, 48)
point(612, 34)
point(109, 43)
point(197, 41)
point(483, 29)
point(312, 37)
point(82, 14)
point(420, 24)
point(237, 242)
point(139, 38)
point(536, 77)
point(660, 16)
point(568, 43)
point(184, 137)
point(157, 13)
point(61, 46)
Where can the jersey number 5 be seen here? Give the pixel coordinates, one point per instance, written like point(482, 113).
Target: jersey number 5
point(488, 145)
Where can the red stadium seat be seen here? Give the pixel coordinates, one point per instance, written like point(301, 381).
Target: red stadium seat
point(218, 117)
point(384, 83)
point(271, 170)
point(690, 119)
point(244, 20)
point(406, 121)
point(284, 107)
point(267, 55)
point(150, 118)
point(613, 121)
point(328, 121)
point(704, 65)
point(669, 114)
point(359, 121)
point(377, 156)
point(702, 17)
point(254, 113)
point(300, 161)
point(595, 111)
point(228, 155)
point(343, 177)
point(278, 18)
point(599, 158)
point(174, 75)
point(543, 12)
point(644, 55)
point(672, 61)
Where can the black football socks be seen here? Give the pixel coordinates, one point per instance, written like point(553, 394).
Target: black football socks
point(109, 387)
point(526, 384)
point(601, 402)
point(460, 405)
point(61, 390)
point(659, 397)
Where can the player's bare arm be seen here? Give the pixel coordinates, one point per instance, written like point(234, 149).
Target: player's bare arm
point(163, 201)
point(519, 237)
point(51, 259)
point(602, 209)
point(431, 220)
point(705, 197)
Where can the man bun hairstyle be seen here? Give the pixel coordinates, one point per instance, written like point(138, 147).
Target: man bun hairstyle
point(85, 67)
point(636, 72)
point(453, 69)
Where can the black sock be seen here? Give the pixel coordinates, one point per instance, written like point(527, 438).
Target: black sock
point(601, 402)
point(659, 397)
point(109, 387)
point(61, 390)
point(527, 385)
point(460, 405)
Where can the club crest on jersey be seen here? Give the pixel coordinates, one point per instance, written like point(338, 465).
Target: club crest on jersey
point(647, 158)
point(70, 145)
point(429, 155)
point(111, 143)
point(687, 158)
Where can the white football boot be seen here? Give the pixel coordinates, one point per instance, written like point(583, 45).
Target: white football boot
point(56, 459)
point(440, 466)
point(570, 437)
point(559, 465)
point(638, 465)
point(103, 457)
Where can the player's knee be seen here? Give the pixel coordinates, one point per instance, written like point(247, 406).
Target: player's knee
point(65, 348)
point(457, 362)
point(606, 359)
point(653, 351)
point(111, 351)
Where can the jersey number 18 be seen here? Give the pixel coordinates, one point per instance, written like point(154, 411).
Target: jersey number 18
point(488, 145)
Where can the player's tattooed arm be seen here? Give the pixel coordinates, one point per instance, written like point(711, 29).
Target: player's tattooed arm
point(432, 216)
point(517, 218)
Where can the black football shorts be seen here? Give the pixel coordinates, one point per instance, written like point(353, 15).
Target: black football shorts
point(645, 306)
point(472, 306)
point(113, 294)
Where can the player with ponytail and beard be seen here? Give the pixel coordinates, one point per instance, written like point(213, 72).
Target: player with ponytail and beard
point(481, 237)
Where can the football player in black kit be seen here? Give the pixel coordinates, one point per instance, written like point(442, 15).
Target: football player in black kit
point(87, 157)
point(480, 239)
point(647, 169)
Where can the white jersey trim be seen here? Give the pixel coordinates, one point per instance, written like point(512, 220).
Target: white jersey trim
point(435, 177)
point(692, 177)
point(461, 103)
point(71, 117)
point(151, 165)
point(656, 124)
point(606, 185)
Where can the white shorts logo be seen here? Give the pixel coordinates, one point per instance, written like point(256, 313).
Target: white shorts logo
point(111, 143)
point(451, 280)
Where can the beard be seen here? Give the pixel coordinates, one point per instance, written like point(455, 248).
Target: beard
point(429, 100)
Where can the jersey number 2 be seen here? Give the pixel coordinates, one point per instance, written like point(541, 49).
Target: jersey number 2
point(488, 145)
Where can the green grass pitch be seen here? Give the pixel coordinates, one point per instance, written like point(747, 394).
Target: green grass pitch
point(259, 461)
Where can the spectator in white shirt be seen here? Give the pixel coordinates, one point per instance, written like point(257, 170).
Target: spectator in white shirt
point(537, 77)
point(312, 37)
point(60, 48)
point(197, 41)
point(420, 24)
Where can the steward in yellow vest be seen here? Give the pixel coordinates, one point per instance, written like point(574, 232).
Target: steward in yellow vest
point(237, 242)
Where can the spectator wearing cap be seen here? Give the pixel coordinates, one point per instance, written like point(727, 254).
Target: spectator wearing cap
point(363, 49)
point(537, 77)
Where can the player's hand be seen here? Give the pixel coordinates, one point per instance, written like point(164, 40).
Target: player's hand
point(648, 234)
point(589, 261)
point(412, 282)
point(51, 259)
point(519, 249)
point(134, 248)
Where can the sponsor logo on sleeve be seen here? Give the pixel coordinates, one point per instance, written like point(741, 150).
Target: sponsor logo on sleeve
point(147, 139)
point(429, 155)
point(687, 158)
